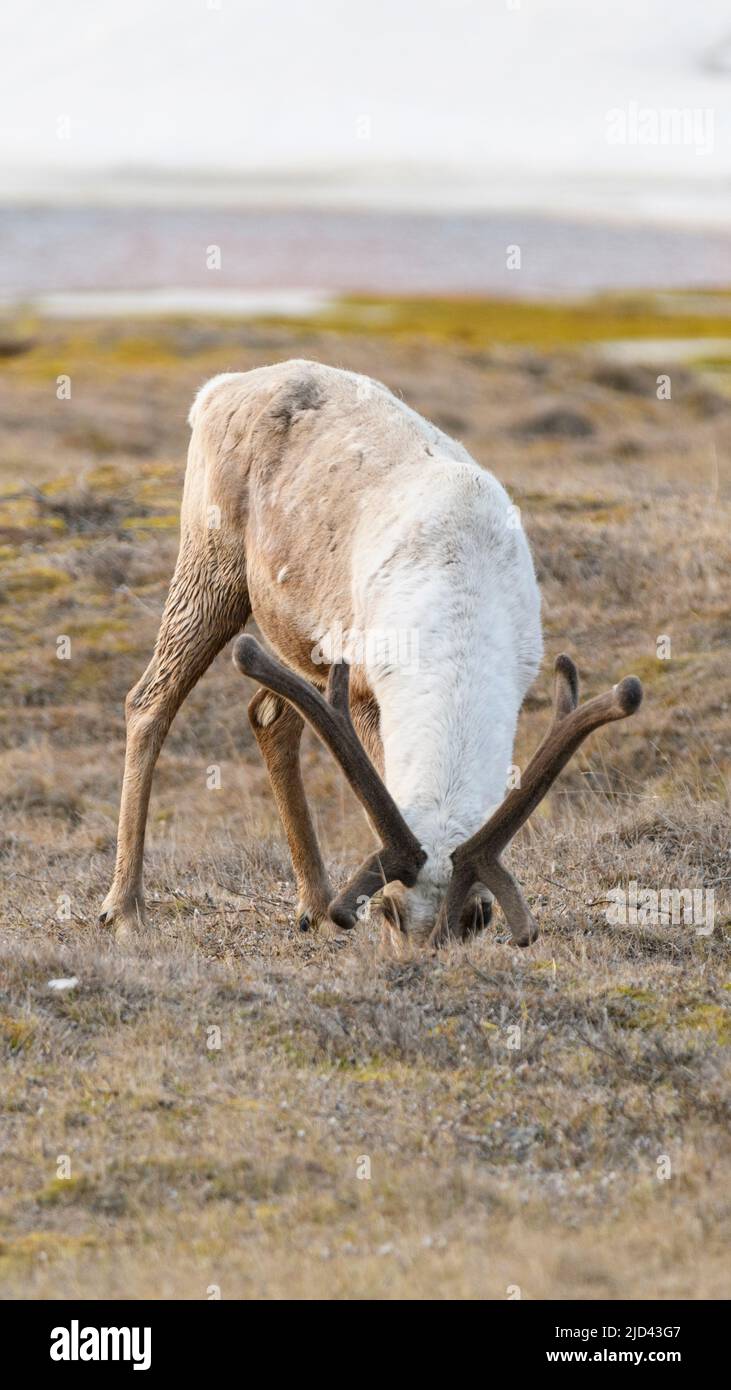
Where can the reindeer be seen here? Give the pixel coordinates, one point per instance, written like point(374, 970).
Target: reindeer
point(317, 501)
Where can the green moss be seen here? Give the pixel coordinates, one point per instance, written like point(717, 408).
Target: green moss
point(93, 439)
point(629, 1007)
point(481, 322)
point(16, 1033)
point(374, 1072)
point(140, 352)
point(104, 478)
point(712, 1019)
point(64, 1192)
point(56, 487)
point(42, 1245)
point(32, 580)
point(326, 999)
point(94, 632)
point(151, 523)
point(68, 348)
point(651, 668)
point(19, 513)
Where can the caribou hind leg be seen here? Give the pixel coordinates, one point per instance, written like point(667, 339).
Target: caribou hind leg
point(201, 614)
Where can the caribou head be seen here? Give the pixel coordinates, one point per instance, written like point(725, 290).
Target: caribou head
point(400, 860)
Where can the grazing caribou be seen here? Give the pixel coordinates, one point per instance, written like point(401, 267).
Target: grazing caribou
point(318, 502)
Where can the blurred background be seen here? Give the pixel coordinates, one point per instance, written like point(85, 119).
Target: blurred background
point(391, 149)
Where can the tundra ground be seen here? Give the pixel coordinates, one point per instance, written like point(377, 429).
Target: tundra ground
point(228, 1103)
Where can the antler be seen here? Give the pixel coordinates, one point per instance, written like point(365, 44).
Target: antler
point(400, 855)
point(478, 859)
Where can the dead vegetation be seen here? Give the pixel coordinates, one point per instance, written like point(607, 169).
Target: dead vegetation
point(555, 1119)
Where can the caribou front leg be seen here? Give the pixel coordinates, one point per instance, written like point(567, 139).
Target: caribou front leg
point(278, 730)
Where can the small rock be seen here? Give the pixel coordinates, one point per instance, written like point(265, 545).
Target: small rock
point(556, 422)
point(632, 378)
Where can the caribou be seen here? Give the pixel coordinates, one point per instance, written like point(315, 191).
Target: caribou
point(317, 502)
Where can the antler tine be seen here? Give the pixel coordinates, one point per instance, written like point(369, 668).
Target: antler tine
point(565, 687)
point(337, 690)
point(502, 885)
point(374, 873)
point(567, 732)
point(478, 859)
point(401, 855)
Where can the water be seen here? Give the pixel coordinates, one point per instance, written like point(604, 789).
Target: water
point(46, 251)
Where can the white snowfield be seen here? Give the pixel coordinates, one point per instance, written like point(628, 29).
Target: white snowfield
point(576, 105)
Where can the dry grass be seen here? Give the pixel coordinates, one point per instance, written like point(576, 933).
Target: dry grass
point(491, 1166)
